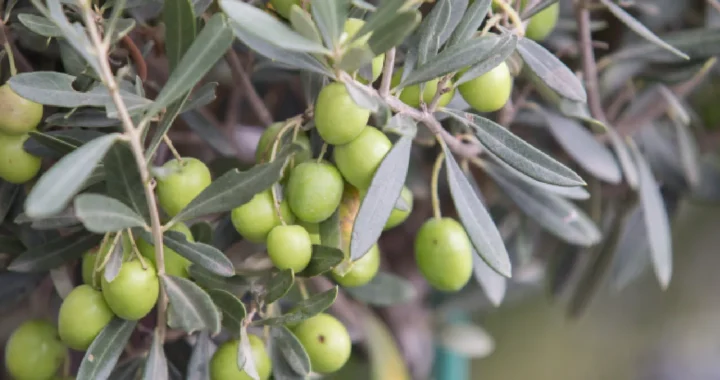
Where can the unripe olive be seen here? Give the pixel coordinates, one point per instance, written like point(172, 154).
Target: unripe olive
point(289, 247)
point(185, 181)
point(542, 23)
point(362, 271)
point(88, 267)
point(488, 92)
point(175, 264)
point(18, 115)
point(352, 26)
point(83, 314)
point(410, 95)
point(223, 365)
point(283, 7)
point(326, 341)
point(134, 292)
point(254, 220)
point(265, 144)
point(399, 216)
point(17, 165)
point(338, 119)
point(359, 159)
point(444, 254)
point(34, 351)
point(313, 229)
point(314, 191)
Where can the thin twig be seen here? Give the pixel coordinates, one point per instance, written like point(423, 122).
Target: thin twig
point(137, 57)
point(590, 72)
point(241, 76)
point(442, 89)
point(387, 73)
point(134, 137)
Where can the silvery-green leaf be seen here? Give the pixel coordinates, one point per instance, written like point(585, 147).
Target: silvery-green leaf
point(245, 359)
point(492, 283)
point(471, 21)
point(40, 25)
point(385, 289)
point(156, 365)
point(330, 17)
point(551, 70)
point(101, 214)
point(315, 304)
point(104, 352)
point(179, 20)
point(497, 54)
point(191, 308)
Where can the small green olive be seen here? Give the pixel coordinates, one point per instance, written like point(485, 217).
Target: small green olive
point(488, 92)
point(314, 191)
point(359, 159)
point(134, 292)
point(444, 254)
point(265, 144)
point(175, 264)
point(362, 271)
point(83, 314)
point(17, 165)
point(185, 181)
point(34, 351)
point(254, 220)
point(289, 247)
point(399, 216)
point(542, 23)
point(223, 365)
point(326, 341)
point(338, 119)
point(18, 115)
point(410, 95)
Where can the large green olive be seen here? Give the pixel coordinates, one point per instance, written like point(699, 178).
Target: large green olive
point(289, 247)
point(83, 314)
point(254, 220)
point(184, 182)
point(263, 152)
point(338, 119)
point(134, 292)
point(314, 191)
point(362, 271)
point(399, 216)
point(34, 351)
point(175, 264)
point(17, 165)
point(223, 365)
point(359, 159)
point(326, 341)
point(444, 254)
point(488, 92)
point(542, 23)
point(18, 115)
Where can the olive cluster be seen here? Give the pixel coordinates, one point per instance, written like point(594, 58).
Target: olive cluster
point(18, 117)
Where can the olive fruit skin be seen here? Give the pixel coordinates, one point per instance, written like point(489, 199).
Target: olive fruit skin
point(254, 220)
point(444, 254)
point(352, 26)
point(397, 217)
point(175, 264)
point(490, 91)
point(314, 191)
point(223, 365)
point(18, 115)
point(289, 247)
point(326, 341)
point(83, 314)
point(134, 292)
point(338, 119)
point(313, 229)
point(363, 270)
point(359, 159)
point(183, 184)
point(88, 267)
point(34, 352)
point(283, 7)
point(542, 23)
point(265, 144)
point(17, 165)
point(410, 95)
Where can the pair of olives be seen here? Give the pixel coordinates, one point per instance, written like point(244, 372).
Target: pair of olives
point(18, 117)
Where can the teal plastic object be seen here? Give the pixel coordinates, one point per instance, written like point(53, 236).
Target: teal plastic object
point(448, 364)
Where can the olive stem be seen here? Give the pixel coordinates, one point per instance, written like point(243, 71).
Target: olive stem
point(434, 184)
point(106, 256)
point(590, 70)
point(96, 264)
point(136, 145)
point(442, 89)
point(387, 73)
point(174, 151)
point(11, 58)
point(302, 288)
point(323, 150)
point(136, 251)
point(514, 16)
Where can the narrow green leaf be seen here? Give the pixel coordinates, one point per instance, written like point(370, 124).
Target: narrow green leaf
point(105, 350)
point(128, 369)
point(208, 280)
point(522, 156)
point(179, 19)
point(583, 147)
point(101, 214)
point(630, 171)
point(330, 17)
point(323, 259)
point(384, 15)
point(201, 97)
point(73, 33)
point(39, 25)
point(199, 364)
point(431, 28)
point(478, 223)
point(209, 46)
point(656, 220)
point(402, 125)
point(54, 253)
point(236, 188)
point(232, 308)
point(551, 70)
point(191, 308)
point(356, 58)
point(557, 215)
point(689, 152)
point(699, 43)
point(632, 253)
point(303, 23)
point(278, 286)
point(471, 21)
point(492, 283)
point(114, 263)
point(362, 97)
point(87, 118)
point(495, 55)
point(260, 24)
point(54, 190)
point(55, 89)
point(156, 365)
point(65, 218)
point(315, 304)
point(575, 192)
point(377, 205)
point(125, 183)
point(206, 130)
point(489, 48)
point(166, 122)
point(56, 144)
point(640, 29)
point(203, 255)
point(528, 12)
point(202, 232)
point(290, 350)
point(385, 289)
point(394, 33)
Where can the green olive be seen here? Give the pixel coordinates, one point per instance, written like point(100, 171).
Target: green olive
point(134, 292)
point(223, 365)
point(175, 264)
point(362, 271)
point(283, 7)
point(338, 119)
point(542, 23)
point(488, 92)
point(352, 26)
point(254, 220)
point(265, 144)
point(289, 247)
point(359, 159)
point(326, 341)
point(83, 314)
point(444, 254)
point(18, 115)
point(313, 230)
point(410, 95)
point(399, 216)
point(17, 165)
point(314, 191)
point(184, 182)
point(34, 351)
